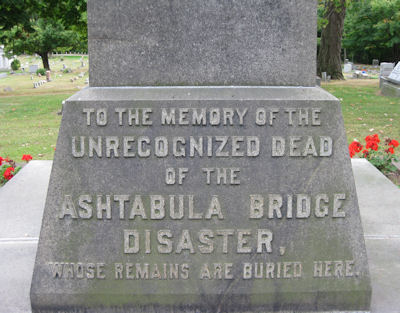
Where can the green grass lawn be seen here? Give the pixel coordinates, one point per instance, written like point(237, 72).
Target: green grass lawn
point(366, 111)
point(21, 83)
point(28, 116)
point(29, 122)
point(29, 125)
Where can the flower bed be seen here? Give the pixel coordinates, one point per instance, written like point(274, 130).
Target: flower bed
point(8, 168)
point(382, 156)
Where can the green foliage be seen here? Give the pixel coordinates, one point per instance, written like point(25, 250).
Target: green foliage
point(70, 13)
point(47, 36)
point(372, 30)
point(15, 65)
point(3, 168)
point(380, 155)
point(41, 71)
point(13, 12)
point(43, 26)
point(383, 162)
point(322, 21)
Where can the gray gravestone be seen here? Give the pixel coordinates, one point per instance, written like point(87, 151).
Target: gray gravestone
point(386, 68)
point(33, 68)
point(390, 86)
point(395, 75)
point(201, 199)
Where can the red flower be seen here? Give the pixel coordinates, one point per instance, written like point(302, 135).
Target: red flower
point(26, 157)
point(373, 137)
point(7, 174)
point(393, 143)
point(372, 142)
point(1, 160)
point(354, 148)
point(391, 150)
point(372, 145)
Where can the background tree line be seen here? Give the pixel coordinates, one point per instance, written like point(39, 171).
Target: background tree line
point(372, 31)
point(368, 29)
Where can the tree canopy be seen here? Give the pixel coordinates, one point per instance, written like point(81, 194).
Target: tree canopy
point(367, 29)
point(46, 35)
point(372, 30)
point(38, 26)
point(13, 12)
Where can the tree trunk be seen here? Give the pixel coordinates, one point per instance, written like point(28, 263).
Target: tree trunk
point(329, 60)
point(396, 52)
point(45, 60)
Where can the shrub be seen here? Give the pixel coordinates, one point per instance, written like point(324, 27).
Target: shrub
point(41, 71)
point(15, 65)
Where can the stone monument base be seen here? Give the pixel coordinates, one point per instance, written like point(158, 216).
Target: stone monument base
point(32, 182)
point(288, 144)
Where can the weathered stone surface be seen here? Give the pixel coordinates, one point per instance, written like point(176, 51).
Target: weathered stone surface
point(26, 200)
point(386, 68)
point(395, 75)
point(389, 89)
point(201, 199)
point(381, 232)
point(82, 234)
point(174, 43)
point(381, 228)
point(17, 260)
point(22, 202)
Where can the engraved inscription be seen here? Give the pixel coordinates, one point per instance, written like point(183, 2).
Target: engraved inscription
point(178, 221)
point(288, 270)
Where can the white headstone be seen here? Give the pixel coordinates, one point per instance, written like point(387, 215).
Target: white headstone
point(347, 68)
point(395, 75)
point(4, 61)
